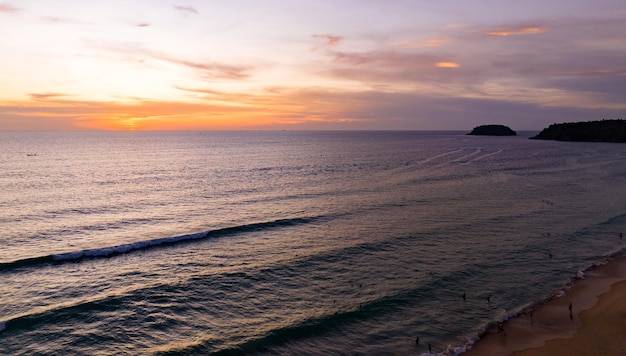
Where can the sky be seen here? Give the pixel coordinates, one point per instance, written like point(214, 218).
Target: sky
point(310, 64)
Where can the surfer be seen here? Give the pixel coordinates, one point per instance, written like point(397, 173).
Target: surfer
point(463, 296)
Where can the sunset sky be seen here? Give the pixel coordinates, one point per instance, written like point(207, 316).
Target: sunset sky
point(310, 64)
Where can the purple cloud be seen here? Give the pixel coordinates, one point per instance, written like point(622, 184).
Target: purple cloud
point(187, 10)
point(45, 96)
point(207, 69)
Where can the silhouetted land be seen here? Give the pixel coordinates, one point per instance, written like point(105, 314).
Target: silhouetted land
point(492, 130)
point(591, 131)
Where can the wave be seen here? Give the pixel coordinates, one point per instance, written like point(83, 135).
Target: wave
point(111, 251)
point(318, 325)
point(289, 333)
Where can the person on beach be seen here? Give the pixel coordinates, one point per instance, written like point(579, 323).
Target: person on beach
point(501, 329)
point(570, 310)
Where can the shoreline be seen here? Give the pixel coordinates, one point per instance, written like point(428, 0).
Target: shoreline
point(550, 329)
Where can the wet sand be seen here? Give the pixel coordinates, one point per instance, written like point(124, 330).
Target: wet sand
point(597, 325)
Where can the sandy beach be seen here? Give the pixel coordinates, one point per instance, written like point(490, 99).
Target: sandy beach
point(596, 325)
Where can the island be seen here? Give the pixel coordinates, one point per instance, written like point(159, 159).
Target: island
point(493, 130)
point(590, 131)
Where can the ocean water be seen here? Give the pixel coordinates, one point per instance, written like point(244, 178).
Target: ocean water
point(291, 243)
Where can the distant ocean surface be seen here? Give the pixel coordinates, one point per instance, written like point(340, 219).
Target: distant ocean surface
point(291, 243)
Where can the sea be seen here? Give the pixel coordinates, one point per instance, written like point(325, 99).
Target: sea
point(292, 242)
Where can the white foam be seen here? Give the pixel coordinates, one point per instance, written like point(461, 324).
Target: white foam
point(455, 350)
point(119, 249)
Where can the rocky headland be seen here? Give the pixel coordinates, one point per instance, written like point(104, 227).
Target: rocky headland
point(590, 131)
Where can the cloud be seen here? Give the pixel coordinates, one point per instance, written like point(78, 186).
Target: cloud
point(63, 20)
point(137, 114)
point(447, 65)
point(415, 110)
point(207, 69)
point(46, 96)
point(570, 63)
point(187, 10)
point(213, 70)
point(8, 8)
point(391, 67)
point(386, 58)
point(429, 42)
point(517, 30)
point(329, 39)
point(289, 107)
point(142, 24)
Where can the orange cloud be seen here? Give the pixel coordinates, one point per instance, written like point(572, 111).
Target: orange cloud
point(330, 40)
point(447, 65)
point(432, 42)
point(505, 32)
point(8, 8)
point(210, 110)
